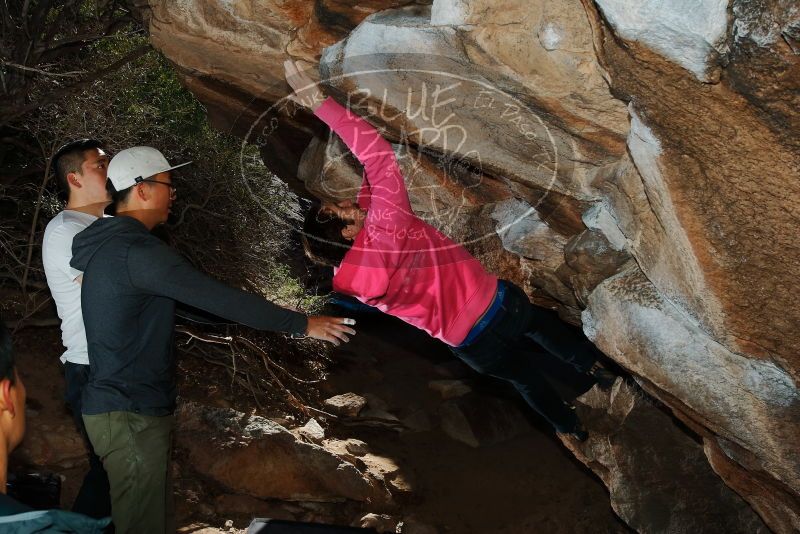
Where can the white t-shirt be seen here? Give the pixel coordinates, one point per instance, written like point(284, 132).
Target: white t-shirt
point(61, 278)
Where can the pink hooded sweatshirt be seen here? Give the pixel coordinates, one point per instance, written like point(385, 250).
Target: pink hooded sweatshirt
point(399, 263)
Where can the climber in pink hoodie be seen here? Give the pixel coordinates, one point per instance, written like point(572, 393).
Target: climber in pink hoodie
point(388, 258)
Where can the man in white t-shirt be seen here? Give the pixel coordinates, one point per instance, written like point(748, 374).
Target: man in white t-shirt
point(80, 168)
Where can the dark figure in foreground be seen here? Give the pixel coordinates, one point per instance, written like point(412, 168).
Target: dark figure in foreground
point(15, 516)
point(387, 257)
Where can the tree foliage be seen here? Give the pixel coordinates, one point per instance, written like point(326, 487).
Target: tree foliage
point(230, 215)
point(229, 203)
point(41, 45)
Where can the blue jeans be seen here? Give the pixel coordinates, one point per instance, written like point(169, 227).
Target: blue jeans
point(511, 348)
point(94, 497)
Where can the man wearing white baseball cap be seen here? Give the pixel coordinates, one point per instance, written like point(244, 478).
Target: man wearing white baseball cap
point(143, 165)
point(131, 283)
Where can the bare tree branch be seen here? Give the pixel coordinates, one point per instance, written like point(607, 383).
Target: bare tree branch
point(35, 222)
point(44, 72)
point(244, 348)
point(36, 33)
point(66, 91)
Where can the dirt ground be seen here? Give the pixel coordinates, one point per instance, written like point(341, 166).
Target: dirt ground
point(527, 484)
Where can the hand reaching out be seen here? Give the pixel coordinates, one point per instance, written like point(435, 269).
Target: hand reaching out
point(332, 329)
point(306, 91)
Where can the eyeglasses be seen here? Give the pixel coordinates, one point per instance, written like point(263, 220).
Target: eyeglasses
point(173, 191)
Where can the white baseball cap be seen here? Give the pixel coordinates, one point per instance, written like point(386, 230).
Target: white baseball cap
point(135, 164)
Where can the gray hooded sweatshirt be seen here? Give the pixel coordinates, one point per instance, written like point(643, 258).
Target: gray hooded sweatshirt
point(131, 282)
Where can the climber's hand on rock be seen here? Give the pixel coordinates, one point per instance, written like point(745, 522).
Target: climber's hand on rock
point(332, 329)
point(306, 91)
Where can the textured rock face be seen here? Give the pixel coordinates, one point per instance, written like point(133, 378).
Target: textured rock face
point(633, 164)
point(255, 456)
point(688, 32)
point(476, 108)
point(746, 401)
point(244, 43)
point(663, 485)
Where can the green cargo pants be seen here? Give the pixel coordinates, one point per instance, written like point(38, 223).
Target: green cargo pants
point(136, 452)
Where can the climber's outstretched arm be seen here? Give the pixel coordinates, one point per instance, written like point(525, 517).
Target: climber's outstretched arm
point(384, 189)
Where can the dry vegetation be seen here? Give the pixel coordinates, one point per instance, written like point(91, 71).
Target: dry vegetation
point(231, 211)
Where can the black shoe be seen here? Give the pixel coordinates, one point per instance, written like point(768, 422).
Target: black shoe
point(602, 376)
point(578, 433)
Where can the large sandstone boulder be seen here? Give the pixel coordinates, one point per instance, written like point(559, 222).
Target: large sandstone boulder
point(633, 165)
point(720, 179)
point(690, 33)
point(243, 44)
point(750, 403)
point(443, 88)
point(258, 457)
point(656, 485)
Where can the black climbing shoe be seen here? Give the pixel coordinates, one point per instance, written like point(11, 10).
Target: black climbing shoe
point(578, 433)
point(602, 376)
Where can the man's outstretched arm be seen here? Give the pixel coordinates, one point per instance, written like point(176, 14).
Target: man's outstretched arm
point(156, 268)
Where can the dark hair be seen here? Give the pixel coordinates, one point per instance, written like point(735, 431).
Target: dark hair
point(7, 363)
point(69, 158)
point(322, 237)
point(119, 197)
